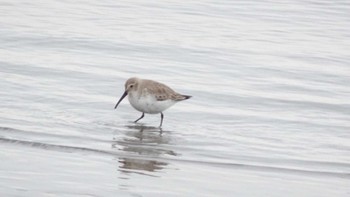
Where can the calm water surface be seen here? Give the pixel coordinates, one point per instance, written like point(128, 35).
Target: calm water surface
point(270, 113)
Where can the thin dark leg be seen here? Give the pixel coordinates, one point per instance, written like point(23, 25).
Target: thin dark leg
point(143, 114)
point(161, 119)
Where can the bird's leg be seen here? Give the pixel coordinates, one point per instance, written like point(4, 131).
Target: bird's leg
point(143, 114)
point(161, 119)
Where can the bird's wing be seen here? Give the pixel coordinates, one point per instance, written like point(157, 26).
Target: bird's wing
point(162, 92)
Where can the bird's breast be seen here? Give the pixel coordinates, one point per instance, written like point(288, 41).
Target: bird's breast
point(148, 103)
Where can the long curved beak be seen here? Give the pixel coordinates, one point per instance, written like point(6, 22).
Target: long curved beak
point(120, 100)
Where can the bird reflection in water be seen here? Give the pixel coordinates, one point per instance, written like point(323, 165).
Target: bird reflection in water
point(143, 147)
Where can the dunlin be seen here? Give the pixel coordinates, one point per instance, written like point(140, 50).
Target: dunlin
point(151, 97)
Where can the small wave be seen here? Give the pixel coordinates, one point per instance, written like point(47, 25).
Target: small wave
point(28, 133)
point(238, 166)
point(52, 146)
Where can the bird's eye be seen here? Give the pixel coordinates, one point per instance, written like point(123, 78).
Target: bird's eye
point(131, 86)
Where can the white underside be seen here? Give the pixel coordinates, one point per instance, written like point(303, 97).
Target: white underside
point(149, 104)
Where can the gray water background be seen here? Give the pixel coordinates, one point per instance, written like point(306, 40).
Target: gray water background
point(270, 113)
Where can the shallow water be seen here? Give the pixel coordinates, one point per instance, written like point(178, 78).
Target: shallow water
point(269, 116)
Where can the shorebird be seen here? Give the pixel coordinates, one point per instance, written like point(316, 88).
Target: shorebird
point(151, 97)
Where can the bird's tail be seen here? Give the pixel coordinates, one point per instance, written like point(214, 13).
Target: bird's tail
point(180, 97)
point(186, 97)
